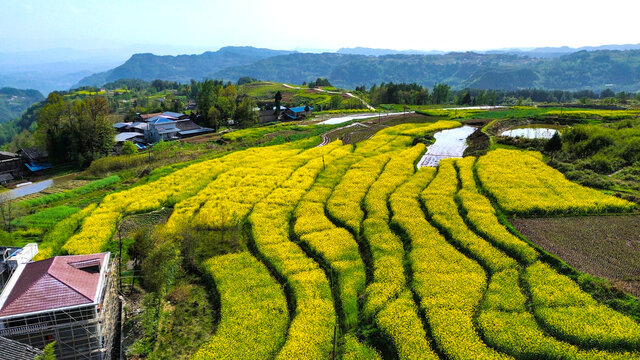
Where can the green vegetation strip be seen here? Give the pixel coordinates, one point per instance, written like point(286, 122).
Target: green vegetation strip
point(90, 187)
point(45, 219)
point(55, 238)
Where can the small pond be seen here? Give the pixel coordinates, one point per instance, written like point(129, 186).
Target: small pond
point(29, 189)
point(449, 143)
point(531, 132)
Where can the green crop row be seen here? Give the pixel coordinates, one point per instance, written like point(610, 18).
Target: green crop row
point(55, 238)
point(336, 246)
point(90, 187)
point(388, 300)
point(508, 327)
point(45, 219)
point(386, 247)
point(344, 203)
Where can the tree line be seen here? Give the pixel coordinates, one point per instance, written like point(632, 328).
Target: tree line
point(415, 94)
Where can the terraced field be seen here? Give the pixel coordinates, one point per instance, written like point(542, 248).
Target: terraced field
point(353, 254)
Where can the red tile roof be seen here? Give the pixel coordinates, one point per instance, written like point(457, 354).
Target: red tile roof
point(55, 283)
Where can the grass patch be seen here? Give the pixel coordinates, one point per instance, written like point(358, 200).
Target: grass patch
point(91, 187)
point(45, 219)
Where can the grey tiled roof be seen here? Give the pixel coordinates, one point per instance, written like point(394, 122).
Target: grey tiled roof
point(17, 351)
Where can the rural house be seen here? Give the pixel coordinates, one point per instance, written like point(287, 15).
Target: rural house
point(12, 166)
point(298, 113)
point(35, 159)
point(67, 299)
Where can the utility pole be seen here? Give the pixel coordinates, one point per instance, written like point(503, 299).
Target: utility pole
point(119, 257)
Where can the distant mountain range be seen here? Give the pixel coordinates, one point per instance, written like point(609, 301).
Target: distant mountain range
point(543, 52)
point(613, 66)
point(594, 68)
point(15, 101)
point(181, 68)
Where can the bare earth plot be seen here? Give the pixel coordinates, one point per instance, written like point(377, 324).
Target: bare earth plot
point(604, 246)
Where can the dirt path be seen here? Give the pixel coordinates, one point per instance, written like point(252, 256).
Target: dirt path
point(325, 136)
point(334, 92)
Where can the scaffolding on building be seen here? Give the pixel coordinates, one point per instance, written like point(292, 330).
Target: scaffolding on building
point(82, 332)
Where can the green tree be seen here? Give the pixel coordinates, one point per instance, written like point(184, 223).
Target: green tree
point(160, 265)
point(440, 93)
point(207, 97)
point(246, 116)
point(466, 99)
point(335, 101)
point(75, 131)
point(48, 353)
point(554, 144)
point(226, 107)
point(230, 92)
point(213, 117)
point(278, 99)
point(622, 97)
point(129, 148)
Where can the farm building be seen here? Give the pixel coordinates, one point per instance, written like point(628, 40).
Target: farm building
point(11, 166)
point(152, 128)
point(67, 299)
point(298, 113)
point(188, 128)
point(35, 159)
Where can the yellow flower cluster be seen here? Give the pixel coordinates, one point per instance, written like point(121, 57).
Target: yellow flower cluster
point(344, 203)
point(504, 320)
point(227, 200)
point(311, 330)
point(336, 246)
point(387, 249)
point(482, 216)
point(352, 349)
point(508, 327)
point(417, 130)
point(388, 300)
point(54, 240)
point(399, 320)
point(254, 310)
point(438, 198)
point(595, 114)
point(523, 184)
point(449, 285)
point(98, 228)
point(400, 137)
point(573, 315)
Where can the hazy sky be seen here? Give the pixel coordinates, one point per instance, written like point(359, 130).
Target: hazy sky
point(180, 26)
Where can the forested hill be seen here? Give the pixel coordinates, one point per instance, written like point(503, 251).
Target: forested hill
point(15, 101)
point(619, 70)
point(582, 70)
point(180, 68)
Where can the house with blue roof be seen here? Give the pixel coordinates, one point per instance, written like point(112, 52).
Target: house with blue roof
point(297, 113)
point(161, 128)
